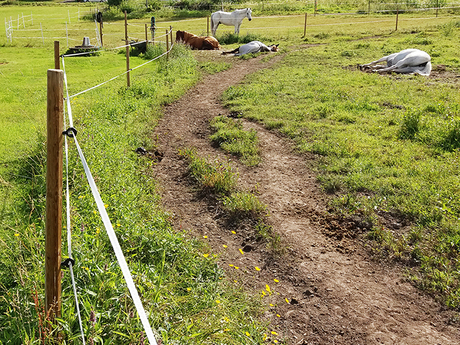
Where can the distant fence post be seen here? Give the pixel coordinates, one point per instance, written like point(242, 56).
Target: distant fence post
point(369, 7)
point(146, 36)
point(316, 6)
point(53, 223)
point(57, 64)
point(167, 44)
point(101, 25)
point(207, 26)
point(305, 26)
point(397, 15)
point(128, 80)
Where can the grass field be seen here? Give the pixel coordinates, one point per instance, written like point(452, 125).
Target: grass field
point(386, 145)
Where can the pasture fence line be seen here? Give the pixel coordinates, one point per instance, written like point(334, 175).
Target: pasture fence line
point(53, 261)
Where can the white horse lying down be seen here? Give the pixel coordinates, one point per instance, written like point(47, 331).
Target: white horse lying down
point(253, 47)
point(406, 61)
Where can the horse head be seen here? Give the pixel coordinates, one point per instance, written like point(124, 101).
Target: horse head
point(179, 36)
point(249, 14)
point(274, 47)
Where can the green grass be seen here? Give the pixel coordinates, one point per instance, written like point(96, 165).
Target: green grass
point(215, 177)
point(387, 146)
point(219, 180)
point(243, 204)
point(231, 137)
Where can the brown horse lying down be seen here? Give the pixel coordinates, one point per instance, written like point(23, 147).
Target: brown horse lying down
point(197, 42)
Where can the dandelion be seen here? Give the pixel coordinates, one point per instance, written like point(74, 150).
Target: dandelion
point(264, 337)
point(205, 236)
point(81, 197)
point(98, 230)
point(217, 301)
point(105, 205)
point(95, 212)
point(287, 301)
point(205, 255)
point(248, 334)
point(17, 235)
point(225, 246)
point(227, 329)
point(272, 305)
point(276, 280)
point(236, 267)
point(189, 289)
point(263, 293)
point(274, 333)
point(275, 341)
point(233, 232)
point(278, 315)
point(267, 288)
point(118, 224)
point(231, 265)
point(257, 268)
point(241, 251)
point(236, 281)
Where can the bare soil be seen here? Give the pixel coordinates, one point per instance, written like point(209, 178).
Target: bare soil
point(326, 288)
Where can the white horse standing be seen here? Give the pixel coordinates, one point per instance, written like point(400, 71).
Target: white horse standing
point(234, 18)
point(406, 61)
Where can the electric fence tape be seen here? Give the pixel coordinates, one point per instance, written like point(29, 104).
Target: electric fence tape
point(111, 233)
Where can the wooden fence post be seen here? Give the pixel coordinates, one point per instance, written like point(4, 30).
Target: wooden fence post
point(305, 26)
point(128, 80)
point(171, 34)
point(100, 30)
point(167, 44)
point(53, 223)
point(146, 36)
point(397, 15)
point(57, 64)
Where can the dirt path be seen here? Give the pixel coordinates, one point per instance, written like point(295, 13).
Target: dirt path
point(336, 293)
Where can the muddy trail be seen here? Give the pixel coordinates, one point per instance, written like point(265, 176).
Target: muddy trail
point(325, 288)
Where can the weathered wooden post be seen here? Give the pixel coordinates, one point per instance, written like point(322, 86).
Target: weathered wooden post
point(305, 26)
point(99, 19)
point(369, 7)
point(316, 6)
point(128, 80)
point(53, 222)
point(397, 15)
point(57, 64)
point(167, 44)
point(171, 34)
point(146, 36)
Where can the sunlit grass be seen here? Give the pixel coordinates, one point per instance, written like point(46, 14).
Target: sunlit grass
point(385, 144)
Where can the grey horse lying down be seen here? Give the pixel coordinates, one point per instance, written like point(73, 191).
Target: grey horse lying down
point(411, 61)
point(252, 47)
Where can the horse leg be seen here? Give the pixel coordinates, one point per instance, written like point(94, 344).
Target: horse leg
point(237, 29)
point(234, 51)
